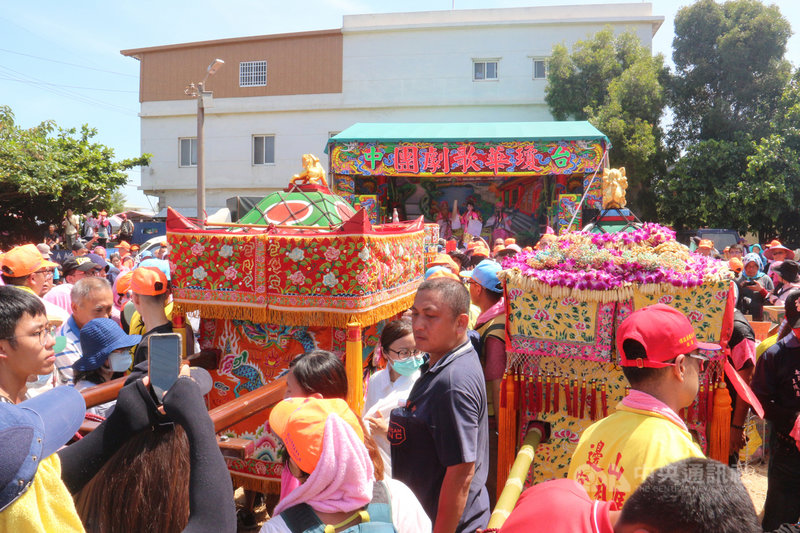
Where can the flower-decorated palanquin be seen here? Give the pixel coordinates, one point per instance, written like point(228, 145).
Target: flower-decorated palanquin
point(308, 274)
point(564, 304)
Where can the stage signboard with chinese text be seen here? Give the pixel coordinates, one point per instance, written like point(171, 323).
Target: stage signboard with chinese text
point(457, 159)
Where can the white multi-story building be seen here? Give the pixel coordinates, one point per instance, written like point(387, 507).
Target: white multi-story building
point(280, 96)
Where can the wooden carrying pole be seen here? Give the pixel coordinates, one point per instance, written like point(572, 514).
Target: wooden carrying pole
point(248, 404)
point(516, 479)
point(223, 416)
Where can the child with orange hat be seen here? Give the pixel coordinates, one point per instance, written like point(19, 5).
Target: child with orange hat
point(325, 446)
point(151, 290)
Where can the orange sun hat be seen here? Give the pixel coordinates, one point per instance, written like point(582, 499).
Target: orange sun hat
point(149, 281)
point(24, 260)
point(300, 423)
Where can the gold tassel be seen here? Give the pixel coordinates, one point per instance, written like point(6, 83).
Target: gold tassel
point(264, 315)
point(719, 430)
point(353, 367)
point(507, 434)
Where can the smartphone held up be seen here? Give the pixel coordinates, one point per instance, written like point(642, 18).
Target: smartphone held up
point(164, 361)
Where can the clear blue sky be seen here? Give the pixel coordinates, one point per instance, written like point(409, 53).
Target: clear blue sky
point(60, 60)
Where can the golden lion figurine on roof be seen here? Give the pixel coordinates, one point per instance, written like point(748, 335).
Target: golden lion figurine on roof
point(312, 174)
point(614, 186)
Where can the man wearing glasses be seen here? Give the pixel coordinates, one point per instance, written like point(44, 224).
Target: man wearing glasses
point(26, 269)
point(26, 342)
point(661, 359)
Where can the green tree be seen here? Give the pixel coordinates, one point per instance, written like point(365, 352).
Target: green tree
point(730, 69)
point(773, 172)
point(739, 183)
point(45, 169)
point(616, 84)
point(732, 104)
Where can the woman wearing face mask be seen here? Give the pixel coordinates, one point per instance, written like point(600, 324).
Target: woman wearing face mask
point(106, 353)
point(389, 388)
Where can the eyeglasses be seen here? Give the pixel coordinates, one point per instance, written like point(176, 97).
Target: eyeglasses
point(404, 353)
point(47, 273)
point(43, 334)
point(703, 361)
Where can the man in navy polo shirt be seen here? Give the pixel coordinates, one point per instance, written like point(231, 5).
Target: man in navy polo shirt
point(440, 439)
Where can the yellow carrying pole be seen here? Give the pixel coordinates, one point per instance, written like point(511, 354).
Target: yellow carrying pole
point(516, 479)
point(353, 365)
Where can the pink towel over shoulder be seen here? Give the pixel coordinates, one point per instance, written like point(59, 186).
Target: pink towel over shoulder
point(343, 478)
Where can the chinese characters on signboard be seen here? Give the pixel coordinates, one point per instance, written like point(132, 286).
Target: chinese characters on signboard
point(469, 158)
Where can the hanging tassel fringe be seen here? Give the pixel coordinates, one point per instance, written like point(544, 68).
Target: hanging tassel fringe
point(507, 433)
point(353, 364)
point(720, 425)
point(316, 317)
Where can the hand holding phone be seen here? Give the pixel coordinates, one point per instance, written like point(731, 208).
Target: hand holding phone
point(164, 361)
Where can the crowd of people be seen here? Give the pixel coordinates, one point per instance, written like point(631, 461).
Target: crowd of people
point(422, 454)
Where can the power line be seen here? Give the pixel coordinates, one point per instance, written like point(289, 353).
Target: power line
point(41, 84)
point(67, 63)
point(71, 86)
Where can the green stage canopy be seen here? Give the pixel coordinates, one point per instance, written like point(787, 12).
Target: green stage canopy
point(470, 131)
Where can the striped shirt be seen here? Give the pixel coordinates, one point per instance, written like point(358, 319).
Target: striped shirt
point(71, 353)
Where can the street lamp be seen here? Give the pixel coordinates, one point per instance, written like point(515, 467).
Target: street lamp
point(204, 99)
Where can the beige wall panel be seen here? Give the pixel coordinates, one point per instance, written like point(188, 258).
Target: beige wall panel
point(309, 63)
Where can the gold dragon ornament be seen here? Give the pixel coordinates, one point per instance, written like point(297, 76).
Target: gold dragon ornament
point(614, 186)
point(312, 174)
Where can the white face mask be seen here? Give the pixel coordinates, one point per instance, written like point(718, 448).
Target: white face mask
point(120, 360)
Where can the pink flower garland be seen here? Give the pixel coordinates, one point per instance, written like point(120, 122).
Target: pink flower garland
point(605, 261)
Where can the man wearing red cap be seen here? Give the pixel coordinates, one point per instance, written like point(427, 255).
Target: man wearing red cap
point(660, 357)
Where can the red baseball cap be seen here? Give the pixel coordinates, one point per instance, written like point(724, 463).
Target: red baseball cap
point(665, 334)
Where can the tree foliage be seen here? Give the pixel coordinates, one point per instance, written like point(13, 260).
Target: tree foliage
point(616, 84)
point(730, 69)
point(46, 169)
point(735, 115)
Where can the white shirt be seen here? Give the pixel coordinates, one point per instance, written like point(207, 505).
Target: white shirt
point(407, 513)
point(382, 397)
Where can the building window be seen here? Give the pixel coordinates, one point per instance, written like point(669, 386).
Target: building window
point(263, 149)
point(188, 148)
point(539, 68)
point(484, 69)
point(253, 74)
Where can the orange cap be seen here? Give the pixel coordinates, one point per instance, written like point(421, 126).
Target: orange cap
point(510, 240)
point(300, 423)
point(124, 282)
point(124, 244)
point(24, 260)
point(445, 261)
point(103, 212)
point(481, 250)
point(497, 249)
point(776, 242)
point(473, 244)
point(736, 264)
point(149, 281)
point(134, 246)
point(705, 243)
point(443, 273)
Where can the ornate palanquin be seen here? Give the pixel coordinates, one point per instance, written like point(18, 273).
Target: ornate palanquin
point(563, 367)
point(268, 293)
